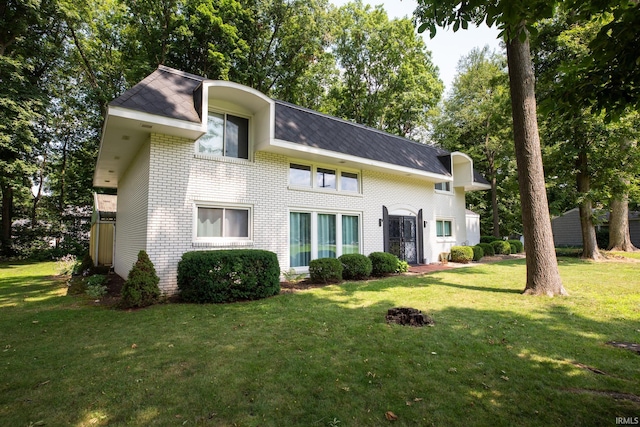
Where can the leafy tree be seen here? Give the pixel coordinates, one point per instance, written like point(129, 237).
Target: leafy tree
point(584, 146)
point(515, 19)
point(475, 119)
point(388, 80)
point(612, 75)
point(29, 41)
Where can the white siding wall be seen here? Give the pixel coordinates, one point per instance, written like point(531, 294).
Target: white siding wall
point(131, 228)
point(178, 179)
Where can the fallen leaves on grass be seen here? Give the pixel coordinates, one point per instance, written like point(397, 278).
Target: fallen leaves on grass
point(390, 416)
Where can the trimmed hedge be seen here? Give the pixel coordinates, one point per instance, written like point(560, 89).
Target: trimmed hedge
point(478, 252)
point(383, 263)
point(141, 287)
point(501, 247)
point(488, 239)
point(518, 244)
point(325, 270)
point(487, 248)
point(228, 275)
point(461, 254)
point(355, 266)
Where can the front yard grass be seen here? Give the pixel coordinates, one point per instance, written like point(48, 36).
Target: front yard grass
point(326, 356)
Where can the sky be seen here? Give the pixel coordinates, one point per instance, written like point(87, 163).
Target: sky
point(446, 47)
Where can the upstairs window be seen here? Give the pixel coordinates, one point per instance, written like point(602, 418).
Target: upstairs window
point(300, 175)
point(226, 135)
point(326, 178)
point(349, 182)
point(443, 186)
point(321, 178)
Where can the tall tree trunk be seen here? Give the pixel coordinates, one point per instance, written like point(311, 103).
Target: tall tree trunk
point(543, 277)
point(619, 237)
point(7, 219)
point(589, 242)
point(494, 205)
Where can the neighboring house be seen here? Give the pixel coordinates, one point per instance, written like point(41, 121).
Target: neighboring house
point(202, 164)
point(567, 231)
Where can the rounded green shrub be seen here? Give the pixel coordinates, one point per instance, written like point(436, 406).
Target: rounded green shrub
point(519, 247)
point(141, 287)
point(487, 248)
point(488, 239)
point(461, 254)
point(325, 270)
point(228, 275)
point(501, 247)
point(355, 266)
point(383, 263)
point(478, 252)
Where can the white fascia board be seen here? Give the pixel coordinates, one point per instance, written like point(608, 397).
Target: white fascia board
point(279, 143)
point(156, 119)
point(477, 186)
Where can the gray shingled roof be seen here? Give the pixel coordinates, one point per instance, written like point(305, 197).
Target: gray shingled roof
point(313, 129)
point(165, 92)
point(175, 94)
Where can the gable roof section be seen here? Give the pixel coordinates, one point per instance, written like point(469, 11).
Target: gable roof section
point(313, 129)
point(165, 92)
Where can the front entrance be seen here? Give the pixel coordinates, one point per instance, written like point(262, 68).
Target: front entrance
point(403, 241)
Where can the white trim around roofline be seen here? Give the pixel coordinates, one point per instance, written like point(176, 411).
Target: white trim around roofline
point(141, 116)
point(279, 143)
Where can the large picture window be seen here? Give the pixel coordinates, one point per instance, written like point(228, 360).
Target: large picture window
point(222, 222)
point(315, 235)
point(299, 239)
point(350, 234)
point(226, 135)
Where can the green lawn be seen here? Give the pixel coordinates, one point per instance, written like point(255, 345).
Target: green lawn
point(325, 356)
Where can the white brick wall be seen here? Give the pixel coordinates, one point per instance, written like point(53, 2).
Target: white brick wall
point(178, 178)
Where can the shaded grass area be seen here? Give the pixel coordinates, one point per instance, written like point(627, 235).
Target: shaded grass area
point(323, 355)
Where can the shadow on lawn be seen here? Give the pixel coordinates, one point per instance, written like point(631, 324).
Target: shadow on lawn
point(15, 290)
point(474, 363)
point(298, 358)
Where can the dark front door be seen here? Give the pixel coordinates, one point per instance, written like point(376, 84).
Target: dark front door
point(403, 238)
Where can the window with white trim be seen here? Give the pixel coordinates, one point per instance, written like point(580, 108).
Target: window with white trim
point(227, 136)
point(315, 235)
point(443, 186)
point(444, 228)
point(323, 178)
point(216, 223)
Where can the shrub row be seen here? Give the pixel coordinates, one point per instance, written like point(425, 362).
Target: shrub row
point(355, 267)
point(228, 275)
point(516, 246)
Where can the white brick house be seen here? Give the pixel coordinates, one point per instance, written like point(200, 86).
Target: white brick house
point(201, 164)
